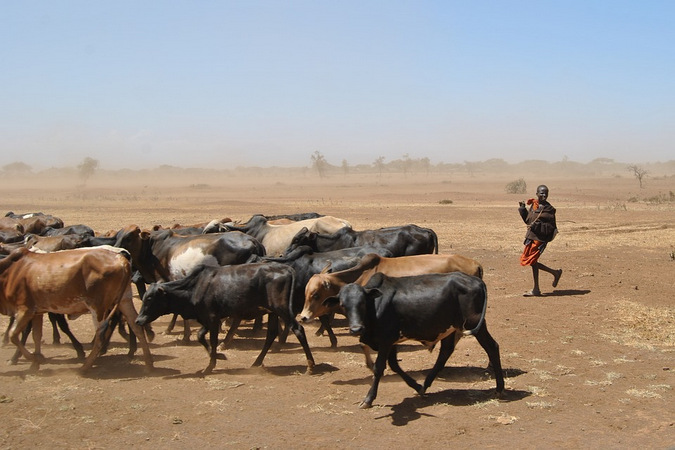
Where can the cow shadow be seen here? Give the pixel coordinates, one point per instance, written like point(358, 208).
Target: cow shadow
point(409, 409)
point(460, 374)
point(281, 371)
point(566, 292)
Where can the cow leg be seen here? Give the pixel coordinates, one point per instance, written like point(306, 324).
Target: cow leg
point(366, 353)
point(24, 337)
point(283, 331)
point(126, 307)
point(325, 325)
point(37, 339)
point(213, 345)
point(272, 331)
point(229, 337)
point(299, 332)
point(60, 320)
point(21, 321)
point(172, 324)
point(393, 363)
point(5, 338)
point(101, 337)
point(378, 370)
point(56, 337)
point(447, 347)
point(257, 324)
point(186, 331)
point(492, 349)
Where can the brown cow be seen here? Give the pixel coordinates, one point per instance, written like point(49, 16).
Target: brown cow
point(324, 285)
point(96, 280)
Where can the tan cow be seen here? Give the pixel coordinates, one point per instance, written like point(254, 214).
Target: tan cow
point(277, 238)
point(95, 280)
point(324, 285)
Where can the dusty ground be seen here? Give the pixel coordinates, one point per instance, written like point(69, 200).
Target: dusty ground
point(591, 364)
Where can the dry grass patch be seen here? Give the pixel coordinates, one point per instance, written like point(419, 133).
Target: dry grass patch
point(644, 326)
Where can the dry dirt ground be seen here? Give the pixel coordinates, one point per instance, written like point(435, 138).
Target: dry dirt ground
point(589, 365)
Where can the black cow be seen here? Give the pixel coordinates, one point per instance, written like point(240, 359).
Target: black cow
point(404, 240)
point(426, 308)
point(83, 230)
point(295, 217)
point(165, 256)
point(211, 293)
point(307, 263)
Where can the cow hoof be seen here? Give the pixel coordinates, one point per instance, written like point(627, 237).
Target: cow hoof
point(422, 391)
point(365, 405)
point(221, 356)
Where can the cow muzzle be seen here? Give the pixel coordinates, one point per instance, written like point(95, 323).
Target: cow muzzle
point(356, 330)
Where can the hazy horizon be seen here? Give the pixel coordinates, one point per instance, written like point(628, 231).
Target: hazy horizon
point(263, 83)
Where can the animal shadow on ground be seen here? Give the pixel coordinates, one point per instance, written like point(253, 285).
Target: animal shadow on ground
point(282, 371)
point(409, 409)
point(566, 292)
point(113, 367)
point(450, 374)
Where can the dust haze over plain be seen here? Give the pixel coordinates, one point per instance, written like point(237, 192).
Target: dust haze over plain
point(226, 84)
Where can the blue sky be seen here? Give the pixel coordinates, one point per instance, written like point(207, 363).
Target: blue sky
point(228, 83)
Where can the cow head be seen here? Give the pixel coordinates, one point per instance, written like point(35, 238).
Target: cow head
point(154, 304)
point(318, 288)
point(131, 238)
point(354, 299)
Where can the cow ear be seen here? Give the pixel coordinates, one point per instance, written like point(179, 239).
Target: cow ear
point(374, 293)
point(331, 302)
point(145, 234)
point(326, 269)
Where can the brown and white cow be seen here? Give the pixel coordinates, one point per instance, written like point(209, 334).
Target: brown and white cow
point(95, 280)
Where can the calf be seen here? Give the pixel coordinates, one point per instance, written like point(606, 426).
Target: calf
point(211, 293)
point(426, 308)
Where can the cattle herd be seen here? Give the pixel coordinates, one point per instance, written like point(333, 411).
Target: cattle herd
point(390, 283)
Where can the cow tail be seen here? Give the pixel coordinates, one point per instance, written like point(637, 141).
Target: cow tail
point(482, 317)
point(291, 308)
point(103, 328)
point(433, 233)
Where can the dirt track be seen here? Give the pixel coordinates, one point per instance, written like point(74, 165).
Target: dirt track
point(591, 364)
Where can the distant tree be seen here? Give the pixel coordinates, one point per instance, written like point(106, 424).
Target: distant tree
point(471, 167)
point(406, 164)
point(638, 172)
point(87, 168)
point(319, 163)
point(379, 164)
point(425, 163)
point(345, 167)
point(17, 168)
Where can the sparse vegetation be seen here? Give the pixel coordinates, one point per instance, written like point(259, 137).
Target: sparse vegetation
point(445, 201)
point(518, 186)
point(87, 168)
point(638, 172)
point(319, 163)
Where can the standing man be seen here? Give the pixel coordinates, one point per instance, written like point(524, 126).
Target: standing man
point(541, 229)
